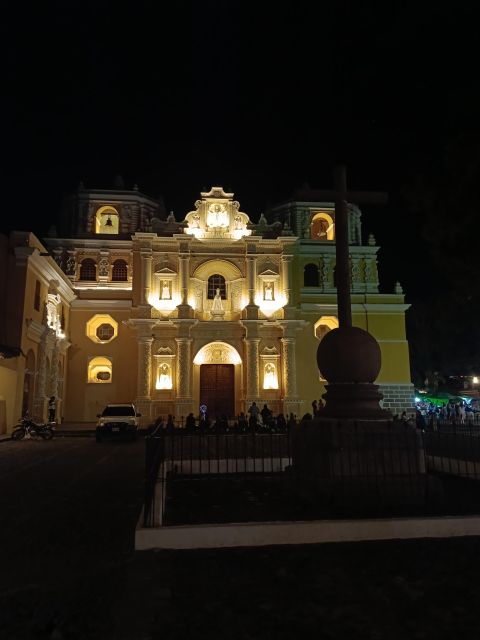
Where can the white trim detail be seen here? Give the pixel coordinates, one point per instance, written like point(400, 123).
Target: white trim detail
point(258, 534)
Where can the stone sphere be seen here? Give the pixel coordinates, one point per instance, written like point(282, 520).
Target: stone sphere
point(349, 354)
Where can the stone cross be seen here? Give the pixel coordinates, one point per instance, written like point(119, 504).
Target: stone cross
point(341, 197)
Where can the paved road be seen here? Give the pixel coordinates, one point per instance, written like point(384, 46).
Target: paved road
point(68, 510)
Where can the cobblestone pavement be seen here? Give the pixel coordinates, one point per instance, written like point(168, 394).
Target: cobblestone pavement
point(68, 512)
point(68, 572)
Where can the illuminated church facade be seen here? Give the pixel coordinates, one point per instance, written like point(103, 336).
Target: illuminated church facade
point(127, 304)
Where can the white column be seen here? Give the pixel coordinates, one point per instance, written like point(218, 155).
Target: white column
point(40, 398)
point(146, 257)
point(287, 276)
point(183, 399)
point(289, 367)
point(356, 285)
point(252, 353)
point(184, 366)
point(326, 274)
point(251, 278)
point(144, 375)
point(54, 370)
point(184, 260)
point(291, 402)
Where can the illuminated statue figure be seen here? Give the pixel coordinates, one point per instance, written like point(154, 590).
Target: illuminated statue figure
point(270, 377)
point(164, 379)
point(217, 302)
point(268, 291)
point(217, 216)
point(165, 290)
point(217, 306)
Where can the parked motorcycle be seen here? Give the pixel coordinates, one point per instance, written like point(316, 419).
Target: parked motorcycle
point(30, 429)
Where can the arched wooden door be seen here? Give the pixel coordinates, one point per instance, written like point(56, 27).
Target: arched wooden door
point(217, 389)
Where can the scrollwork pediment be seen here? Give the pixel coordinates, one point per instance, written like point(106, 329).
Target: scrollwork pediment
point(270, 351)
point(164, 351)
point(164, 271)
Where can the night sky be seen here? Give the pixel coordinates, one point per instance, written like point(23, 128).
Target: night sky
point(178, 97)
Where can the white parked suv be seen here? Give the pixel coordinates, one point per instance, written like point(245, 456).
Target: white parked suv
point(117, 420)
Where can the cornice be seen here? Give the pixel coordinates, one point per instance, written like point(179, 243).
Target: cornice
point(47, 268)
point(90, 243)
point(382, 308)
point(103, 303)
point(35, 330)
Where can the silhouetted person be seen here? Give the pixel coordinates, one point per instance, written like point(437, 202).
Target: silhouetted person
point(190, 423)
point(52, 406)
point(266, 415)
point(281, 422)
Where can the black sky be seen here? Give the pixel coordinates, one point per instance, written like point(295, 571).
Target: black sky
point(178, 97)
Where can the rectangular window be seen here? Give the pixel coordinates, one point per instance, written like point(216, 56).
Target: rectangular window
point(36, 301)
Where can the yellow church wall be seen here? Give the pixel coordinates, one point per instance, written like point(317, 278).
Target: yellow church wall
point(84, 400)
point(387, 326)
point(388, 329)
point(8, 395)
point(395, 363)
point(309, 386)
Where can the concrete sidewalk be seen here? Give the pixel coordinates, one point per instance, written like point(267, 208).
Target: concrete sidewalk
point(73, 429)
point(85, 429)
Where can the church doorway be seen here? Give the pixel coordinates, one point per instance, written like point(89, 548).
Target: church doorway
point(217, 389)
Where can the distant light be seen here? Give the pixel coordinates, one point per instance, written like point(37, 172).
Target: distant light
point(475, 380)
point(417, 399)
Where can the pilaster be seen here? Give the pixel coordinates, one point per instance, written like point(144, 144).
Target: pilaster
point(40, 398)
point(146, 258)
point(184, 400)
point(251, 310)
point(253, 378)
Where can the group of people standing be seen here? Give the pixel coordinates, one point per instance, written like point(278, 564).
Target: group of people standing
point(264, 420)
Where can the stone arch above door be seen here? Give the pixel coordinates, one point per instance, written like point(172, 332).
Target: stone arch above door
point(217, 353)
point(224, 267)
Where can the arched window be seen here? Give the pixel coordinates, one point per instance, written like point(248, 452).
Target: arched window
point(88, 269)
point(322, 227)
point(119, 271)
point(310, 276)
point(216, 282)
point(107, 220)
point(99, 370)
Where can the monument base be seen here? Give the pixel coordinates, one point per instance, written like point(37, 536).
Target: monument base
point(359, 465)
point(354, 401)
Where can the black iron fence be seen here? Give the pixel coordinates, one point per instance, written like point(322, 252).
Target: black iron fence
point(355, 470)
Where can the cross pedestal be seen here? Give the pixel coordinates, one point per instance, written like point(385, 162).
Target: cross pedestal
point(353, 455)
point(349, 358)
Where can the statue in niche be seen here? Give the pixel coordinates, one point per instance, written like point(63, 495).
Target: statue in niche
point(268, 292)
point(164, 379)
point(270, 379)
point(166, 290)
point(217, 216)
point(217, 311)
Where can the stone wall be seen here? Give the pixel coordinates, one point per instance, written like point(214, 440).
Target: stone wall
point(398, 398)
